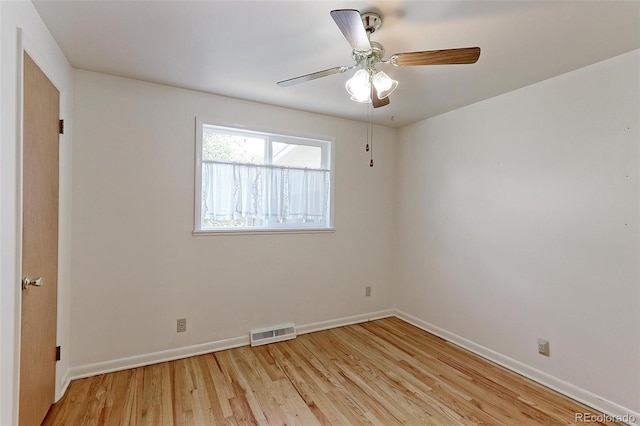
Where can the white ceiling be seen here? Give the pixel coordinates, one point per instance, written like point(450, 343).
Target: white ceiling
point(242, 48)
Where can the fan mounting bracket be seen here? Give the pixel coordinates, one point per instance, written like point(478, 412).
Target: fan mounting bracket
point(371, 21)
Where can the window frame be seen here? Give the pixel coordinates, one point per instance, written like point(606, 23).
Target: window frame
point(327, 163)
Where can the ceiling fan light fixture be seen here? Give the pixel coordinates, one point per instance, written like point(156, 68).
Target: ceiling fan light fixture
point(384, 84)
point(359, 86)
point(357, 28)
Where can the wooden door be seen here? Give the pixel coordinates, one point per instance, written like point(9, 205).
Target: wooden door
point(39, 244)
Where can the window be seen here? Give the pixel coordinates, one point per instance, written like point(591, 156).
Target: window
point(251, 180)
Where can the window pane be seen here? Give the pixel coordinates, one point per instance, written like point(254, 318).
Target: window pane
point(252, 179)
point(231, 148)
point(286, 154)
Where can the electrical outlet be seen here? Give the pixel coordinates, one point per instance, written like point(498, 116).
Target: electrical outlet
point(367, 291)
point(182, 325)
point(543, 347)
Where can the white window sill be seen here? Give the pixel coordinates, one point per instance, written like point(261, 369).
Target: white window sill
point(257, 231)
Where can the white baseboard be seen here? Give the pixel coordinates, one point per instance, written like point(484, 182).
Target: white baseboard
point(89, 370)
point(66, 379)
point(341, 322)
point(615, 411)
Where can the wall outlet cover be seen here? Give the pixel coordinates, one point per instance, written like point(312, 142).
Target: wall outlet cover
point(543, 347)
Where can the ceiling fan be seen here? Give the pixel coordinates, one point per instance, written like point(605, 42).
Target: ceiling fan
point(368, 84)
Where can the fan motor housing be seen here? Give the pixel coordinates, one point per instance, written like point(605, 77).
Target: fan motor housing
point(370, 57)
point(377, 50)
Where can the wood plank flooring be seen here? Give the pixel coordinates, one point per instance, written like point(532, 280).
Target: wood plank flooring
point(383, 372)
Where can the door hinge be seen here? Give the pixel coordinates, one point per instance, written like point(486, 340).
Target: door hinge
point(57, 353)
point(62, 127)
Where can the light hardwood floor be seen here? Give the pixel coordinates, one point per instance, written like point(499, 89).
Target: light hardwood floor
point(383, 372)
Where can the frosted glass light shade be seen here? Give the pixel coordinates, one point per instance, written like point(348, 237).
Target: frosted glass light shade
point(359, 87)
point(384, 84)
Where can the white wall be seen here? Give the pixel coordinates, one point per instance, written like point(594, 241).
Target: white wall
point(519, 219)
point(42, 48)
point(136, 266)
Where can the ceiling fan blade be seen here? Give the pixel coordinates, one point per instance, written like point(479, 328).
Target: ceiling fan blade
point(350, 23)
point(376, 101)
point(312, 76)
point(465, 55)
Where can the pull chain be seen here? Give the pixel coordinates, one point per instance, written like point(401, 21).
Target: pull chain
point(369, 147)
point(371, 132)
point(366, 148)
